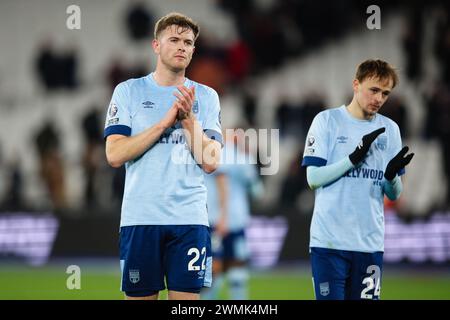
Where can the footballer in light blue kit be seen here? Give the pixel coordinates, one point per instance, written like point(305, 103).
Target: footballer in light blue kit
point(354, 157)
point(166, 129)
point(229, 190)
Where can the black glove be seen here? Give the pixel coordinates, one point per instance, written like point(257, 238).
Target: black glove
point(363, 147)
point(397, 163)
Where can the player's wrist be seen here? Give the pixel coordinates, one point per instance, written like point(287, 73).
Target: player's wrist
point(394, 180)
point(182, 115)
point(349, 162)
point(190, 118)
point(390, 174)
point(163, 125)
point(356, 157)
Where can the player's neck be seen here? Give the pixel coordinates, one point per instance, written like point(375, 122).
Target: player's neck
point(166, 78)
point(357, 112)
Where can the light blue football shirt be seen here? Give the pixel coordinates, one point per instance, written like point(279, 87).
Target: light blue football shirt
point(164, 186)
point(349, 213)
point(241, 175)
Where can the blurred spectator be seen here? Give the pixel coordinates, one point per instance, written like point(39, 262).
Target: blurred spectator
point(294, 120)
point(442, 38)
point(290, 27)
point(57, 70)
point(266, 42)
point(412, 43)
point(118, 186)
point(51, 165)
point(395, 109)
point(208, 66)
point(68, 64)
point(46, 66)
point(250, 109)
point(313, 104)
point(238, 61)
point(139, 21)
point(288, 117)
point(13, 193)
point(293, 184)
point(93, 154)
point(118, 72)
point(437, 126)
point(209, 71)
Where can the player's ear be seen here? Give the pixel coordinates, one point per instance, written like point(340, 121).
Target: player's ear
point(355, 85)
point(155, 45)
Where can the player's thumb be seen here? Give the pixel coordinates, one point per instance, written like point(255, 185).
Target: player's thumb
point(402, 152)
point(374, 134)
point(408, 159)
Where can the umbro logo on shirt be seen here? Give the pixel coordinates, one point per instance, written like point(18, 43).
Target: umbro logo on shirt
point(148, 104)
point(342, 139)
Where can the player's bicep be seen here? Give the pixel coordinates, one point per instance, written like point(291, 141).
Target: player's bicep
point(118, 116)
point(111, 146)
point(111, 139)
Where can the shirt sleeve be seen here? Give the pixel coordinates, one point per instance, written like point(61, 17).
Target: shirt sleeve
point(321, 176)
point(118, 119)
point(316, 145)
point(212, 125)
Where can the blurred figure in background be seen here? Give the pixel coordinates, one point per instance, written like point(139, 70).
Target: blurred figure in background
point(46, 65)
point(412, 43)
point(55, 69)
point(250, 108)
point(119, 71)
point(293, 184)
point(438, 127)
point(93, 155)
point(139, 21)
point(51, 165)
point(293, 118)
point(68, 66)
point(14, 186)
point(229, 192)
point(395, 109)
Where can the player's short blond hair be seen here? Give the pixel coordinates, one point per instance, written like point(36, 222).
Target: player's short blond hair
point(178, 19)
point(377, 69)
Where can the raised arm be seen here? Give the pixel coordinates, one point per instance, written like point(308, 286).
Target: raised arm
point(121, 148)
point(205, 151)
point(320, 176)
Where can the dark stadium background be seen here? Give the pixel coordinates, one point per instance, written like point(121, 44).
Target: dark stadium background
point(275, 64)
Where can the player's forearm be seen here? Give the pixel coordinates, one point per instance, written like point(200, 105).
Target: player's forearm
point(392, 189)
point(206, 151)
point(120, 151)
point(320, 176)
